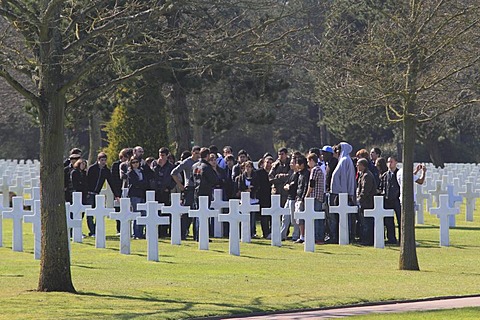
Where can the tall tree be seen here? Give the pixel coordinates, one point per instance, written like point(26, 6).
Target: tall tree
point(64, 43)
point(411, 58)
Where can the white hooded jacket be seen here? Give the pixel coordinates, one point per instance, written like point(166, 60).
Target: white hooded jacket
point(343, 177)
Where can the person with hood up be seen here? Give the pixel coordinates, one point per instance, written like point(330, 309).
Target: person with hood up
point(343, 181)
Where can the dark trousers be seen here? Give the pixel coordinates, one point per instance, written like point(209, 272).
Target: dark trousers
point(366, 227)
point(90, 220)
point(186, 220)
point(389, 221)
point(165, 198)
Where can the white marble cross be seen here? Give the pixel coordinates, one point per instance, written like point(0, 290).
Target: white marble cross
point(125, 216)
point(276, 211)
point(378, 213)
point(151, 221)
point(343, 209)
point(35, 220)
point(246, 208)
point(421, 197)
point(452, 200)
point(309, 215)
point(203, 213)
point(99, 212)
point(5, 191)
point(150, 196)
point(438, 191)
point(17, 188)
point(234, 218)
point(72, 223)
point(2, 208)
point(16, 213)
point(34, 193)
point(175, 210)
point(470, 195)
point(218, 204)
point(443, 211)
point(77, 208)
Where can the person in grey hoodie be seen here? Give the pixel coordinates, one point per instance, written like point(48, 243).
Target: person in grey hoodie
point(343, 181)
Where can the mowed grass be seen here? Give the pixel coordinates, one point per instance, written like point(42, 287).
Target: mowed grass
point(190, 283)
point(457, 314)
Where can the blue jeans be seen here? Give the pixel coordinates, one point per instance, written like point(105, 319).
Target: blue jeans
point(319, 223)
point(138, 230)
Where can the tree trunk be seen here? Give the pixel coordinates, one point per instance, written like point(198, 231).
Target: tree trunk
point(180, 119)
point(408, 250)
point(95, 136)
point(55, 261)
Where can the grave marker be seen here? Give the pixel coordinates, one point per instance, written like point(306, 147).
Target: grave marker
point(309, 215)
point(276, 211)
point(378, 213)
point(36, 222)
point(442, 212)
point(343, 209)
point(470, 195)
point(16, 213)
point(151, 222)
point(234, 218)
point(203, 213)
point(125, 216)
point(77, 208)
point(99, 212)
point(246, 208)
point(175, 210)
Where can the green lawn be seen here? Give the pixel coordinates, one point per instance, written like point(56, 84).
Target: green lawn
point(191, 283)
point(457, 314)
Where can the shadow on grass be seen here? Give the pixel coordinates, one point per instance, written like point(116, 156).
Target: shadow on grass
point(184, 307)
point(452, 228)
point(435, 244)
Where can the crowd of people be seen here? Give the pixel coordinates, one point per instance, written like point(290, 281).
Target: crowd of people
point(321, 173)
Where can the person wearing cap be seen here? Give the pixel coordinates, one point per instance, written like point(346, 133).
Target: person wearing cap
point(279, 175)
point(67, 171)
point(73, 151)
point(331, 222)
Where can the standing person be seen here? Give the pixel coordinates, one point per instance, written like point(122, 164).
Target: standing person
point(164, 183)
point(124, 165)
point(343, 181)
point(204, 179)
point(186, 186)
point(279, 174)
point(302, 189)
point(366, 191)
point(137, 188)
point(390, 190)
point(248, 182)
point(264, 194)
point(418, 179)
point(229, 183)
point(117, 180)
point(291, 187)
point(330, 159)
point(97, 173)
point(242, 156)
point(79, 179)
point(67, 171)
point(76, 151)
point(316, 190)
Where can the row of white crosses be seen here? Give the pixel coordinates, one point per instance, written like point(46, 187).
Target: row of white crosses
point(152, 219)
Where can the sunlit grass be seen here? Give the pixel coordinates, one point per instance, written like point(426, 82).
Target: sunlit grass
point(191, 283)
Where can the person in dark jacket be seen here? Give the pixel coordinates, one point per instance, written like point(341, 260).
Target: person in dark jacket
point(264, 194)
point(291, 188)
point(302, 188)
point(366, 190)
point(204, 179)
point(164, 184)
point(67, 172)
point(247, 181)
point(96, 175)
point(117, 180)
point(137, 188)
point(79, 179)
